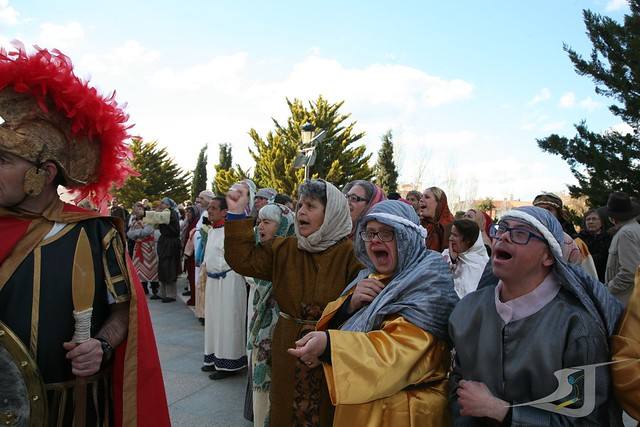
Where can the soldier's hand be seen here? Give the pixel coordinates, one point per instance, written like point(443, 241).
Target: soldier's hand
point(86, 357)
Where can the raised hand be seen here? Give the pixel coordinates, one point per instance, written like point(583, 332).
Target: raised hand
point(237, 198)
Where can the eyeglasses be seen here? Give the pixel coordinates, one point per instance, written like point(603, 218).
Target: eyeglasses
point(355, 198)
point(383, 235)
point(519, 236)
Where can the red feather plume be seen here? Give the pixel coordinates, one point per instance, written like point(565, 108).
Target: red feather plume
point(48, 76)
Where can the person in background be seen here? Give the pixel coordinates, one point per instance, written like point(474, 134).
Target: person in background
point(436, 218)
point(306, 271)
point(274, 220)
point(544, 315)
point(225, 303)
point(283, 199)
point(465, 255)
point(594, 235)
point(484, 222)
point(383, 344)
point(362, 196)
point(192, 216)
point(553, 204)
point(264, 196)
point(624, 251)
point(145, 257)
point(413, 197)
point(570, 249)
point(168, 246)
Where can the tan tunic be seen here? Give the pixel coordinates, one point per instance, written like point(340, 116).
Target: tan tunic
point(303, 284)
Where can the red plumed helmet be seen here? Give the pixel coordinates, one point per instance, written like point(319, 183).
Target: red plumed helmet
point(50, 114)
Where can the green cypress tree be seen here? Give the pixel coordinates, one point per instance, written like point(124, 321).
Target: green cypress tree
point(606, 162)
point(339, 160)
point(226, 174)
point(159, 175)
point(386, 170)
point(199, 182)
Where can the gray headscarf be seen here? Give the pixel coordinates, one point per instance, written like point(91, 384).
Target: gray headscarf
point(593, 295)
point(335, 226)
point(421, 289)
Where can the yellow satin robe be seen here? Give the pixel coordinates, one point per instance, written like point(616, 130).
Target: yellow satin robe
point(626, 345)
point(370, 372)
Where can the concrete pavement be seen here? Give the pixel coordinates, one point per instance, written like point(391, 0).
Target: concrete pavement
point(194, 399)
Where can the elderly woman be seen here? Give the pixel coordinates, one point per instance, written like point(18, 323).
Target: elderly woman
point(306, 271)
point(466, 255)
point(362, 196)
point(274, 220)
point(384, 343)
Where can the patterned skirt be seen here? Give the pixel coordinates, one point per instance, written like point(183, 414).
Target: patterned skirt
point(145, 260)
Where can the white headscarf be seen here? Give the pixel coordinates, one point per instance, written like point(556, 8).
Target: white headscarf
point(469, 267)
point(335, 226)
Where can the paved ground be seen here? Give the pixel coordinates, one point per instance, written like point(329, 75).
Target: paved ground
point(194, 399)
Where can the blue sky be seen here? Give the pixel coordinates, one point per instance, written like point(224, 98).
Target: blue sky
point(466, 86)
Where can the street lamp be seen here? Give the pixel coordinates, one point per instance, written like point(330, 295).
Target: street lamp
point(309, 141)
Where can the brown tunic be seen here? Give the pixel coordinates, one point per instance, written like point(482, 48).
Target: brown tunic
point(303, 284)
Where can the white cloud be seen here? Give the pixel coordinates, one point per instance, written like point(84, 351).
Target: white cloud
point(541, 96)
point(616, 5)
point(621, 128)
point(8, 15)
point(589, 104)
point(62, 37)
point(121, 60)
point(567, 100)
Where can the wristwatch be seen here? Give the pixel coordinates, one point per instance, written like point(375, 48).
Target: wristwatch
point(107, 351)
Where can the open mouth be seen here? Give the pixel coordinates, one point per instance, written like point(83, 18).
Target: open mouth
point(502, 255)
point(262, 236)
point(303, 223)
point(381, 256)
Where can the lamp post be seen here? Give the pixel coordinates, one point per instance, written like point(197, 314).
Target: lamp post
point(309, 141)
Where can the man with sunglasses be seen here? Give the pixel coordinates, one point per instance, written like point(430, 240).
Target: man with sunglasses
point(543, 316)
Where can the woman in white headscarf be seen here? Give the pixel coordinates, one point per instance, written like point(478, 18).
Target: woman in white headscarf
point(307, 271)
point(466, 255)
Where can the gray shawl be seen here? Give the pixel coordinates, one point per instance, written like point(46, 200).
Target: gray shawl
point(421, 290)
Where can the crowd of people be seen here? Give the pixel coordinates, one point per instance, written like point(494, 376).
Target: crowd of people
point(346, 307)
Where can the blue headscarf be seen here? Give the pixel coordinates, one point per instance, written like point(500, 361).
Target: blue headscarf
point(593, 295)
point(421, 289)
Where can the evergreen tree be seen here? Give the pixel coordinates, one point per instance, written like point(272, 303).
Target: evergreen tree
point(199, 182)
point(226, 174)
point(159, 176)
point(386, 171)
point(338, 159)
point(606, 162)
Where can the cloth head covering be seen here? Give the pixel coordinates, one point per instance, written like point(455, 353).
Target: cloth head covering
point(267, 193)
point(376, 196)
point(436, 227)
point(280, 214)
point(49, 114)
point(335, 226)
point(469, 267)
point(421, 289)
point(169, 202)
point(208, 194)
point(593, 295)
point(252, 195)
